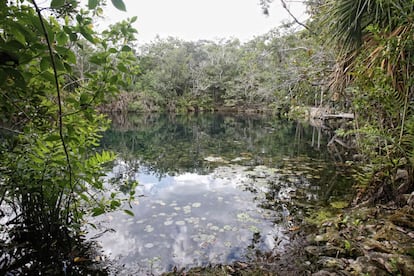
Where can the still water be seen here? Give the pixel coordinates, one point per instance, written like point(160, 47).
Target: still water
point(212, 188)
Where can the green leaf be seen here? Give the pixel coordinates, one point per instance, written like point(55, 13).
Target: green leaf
point(79, 18)
point(115, 204)
point(347, 245)
point(19, 37)
point(59, 64)
point(48, 77)
point(121, 67)
point(61, 38)
point(45, 63)
point(98, 59)
point(12, 46)
point(84, 98)
point(68, 67)
point(71, 57)
point(119, 4)
point(35, 22)
point(73, 37)
point(57, 3)
point(36, 159)
point(20, 29)
point(133, 19)
point(67, 30)
point(92, 4)
point(128, 212)
point(53, 137)
point(84, 197)
point(126, 48)
point(113, 79)
point(87, 34)
point(97, 211)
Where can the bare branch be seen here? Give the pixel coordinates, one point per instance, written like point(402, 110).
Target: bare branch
point(294, 17)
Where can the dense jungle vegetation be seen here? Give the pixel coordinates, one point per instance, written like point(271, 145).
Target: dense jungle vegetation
point(56, 72)
point(270, 72)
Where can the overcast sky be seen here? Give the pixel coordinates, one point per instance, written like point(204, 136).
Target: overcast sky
point(202, 19)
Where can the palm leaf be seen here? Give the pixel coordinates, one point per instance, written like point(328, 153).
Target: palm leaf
point(347, 20)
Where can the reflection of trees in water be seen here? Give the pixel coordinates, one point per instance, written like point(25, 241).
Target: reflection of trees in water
point(176, 144)
point(173, 144)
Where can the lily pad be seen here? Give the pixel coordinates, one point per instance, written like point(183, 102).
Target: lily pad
point(168, 222)
point(148, 229)
point(187, 209)
point(227, 227)
point(254, 229)
point(149, 245)
point(244, 217)
point(192, 220)
point(214, 159)
point(214, 228)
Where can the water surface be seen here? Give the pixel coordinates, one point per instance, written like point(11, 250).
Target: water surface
point(213, 188)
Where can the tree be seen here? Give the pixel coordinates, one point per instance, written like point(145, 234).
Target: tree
point(50, 171)
point(375, 66)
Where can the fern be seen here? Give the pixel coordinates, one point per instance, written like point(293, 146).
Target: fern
point(407, 141)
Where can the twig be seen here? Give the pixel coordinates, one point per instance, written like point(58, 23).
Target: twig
point(294, 17)
point(11, 130)
point(15, 105)
point(74, 82)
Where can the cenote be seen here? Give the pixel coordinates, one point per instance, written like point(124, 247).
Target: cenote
point(212, 188)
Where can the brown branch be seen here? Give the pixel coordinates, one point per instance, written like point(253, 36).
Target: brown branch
point(294, 17)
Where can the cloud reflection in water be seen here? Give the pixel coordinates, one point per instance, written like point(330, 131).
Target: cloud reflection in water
point(188, 220)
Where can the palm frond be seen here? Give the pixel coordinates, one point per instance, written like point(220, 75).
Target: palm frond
point(348, 20)
point(382, 29)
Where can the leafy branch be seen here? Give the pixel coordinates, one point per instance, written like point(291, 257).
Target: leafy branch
point(59, 102)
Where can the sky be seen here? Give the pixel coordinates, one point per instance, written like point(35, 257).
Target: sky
point(193, 20)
